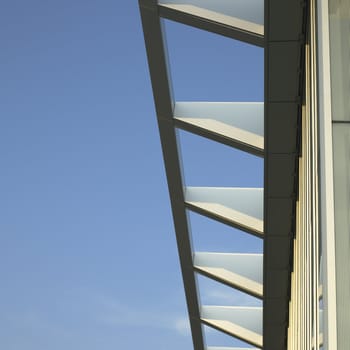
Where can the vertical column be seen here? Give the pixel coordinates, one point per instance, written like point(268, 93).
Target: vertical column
point(326, 179)
point(339, 32)
point(284, 62)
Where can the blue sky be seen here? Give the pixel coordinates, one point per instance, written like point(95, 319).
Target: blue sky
point(88, 257)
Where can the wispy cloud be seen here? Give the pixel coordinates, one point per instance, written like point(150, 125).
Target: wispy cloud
point(228, 296)
point(182, 326)
point(35, 321)
point(113, 312)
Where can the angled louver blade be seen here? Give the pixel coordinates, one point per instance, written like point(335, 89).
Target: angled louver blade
point(238, 124)
point(240, 19)
point(239, 207)
point(241, 271)
point(244, 323)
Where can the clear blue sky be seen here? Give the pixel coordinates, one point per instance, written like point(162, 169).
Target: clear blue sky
point(88, 258)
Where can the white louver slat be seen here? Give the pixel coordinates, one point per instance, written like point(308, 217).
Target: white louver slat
point(241, 271)
point(242, 207)
point(244, 323)
point(240, 14)
point(242, 123)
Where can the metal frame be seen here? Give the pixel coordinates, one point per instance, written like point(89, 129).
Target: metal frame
point(326, 178)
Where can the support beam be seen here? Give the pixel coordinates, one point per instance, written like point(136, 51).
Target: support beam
point(161, 85)
point(285, 31)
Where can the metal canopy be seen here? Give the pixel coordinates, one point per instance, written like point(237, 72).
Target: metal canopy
point(270, 129)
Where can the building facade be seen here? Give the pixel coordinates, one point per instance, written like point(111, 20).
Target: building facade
point(301, 131)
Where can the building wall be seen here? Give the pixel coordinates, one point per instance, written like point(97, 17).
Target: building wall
point(339, 26)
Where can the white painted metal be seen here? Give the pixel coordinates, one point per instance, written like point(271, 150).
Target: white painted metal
point(242, 206)
point(244, 271)
point(244, 14)
point(242, 322)
point(304, 315)
point(326, 179)
point(240, 121)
